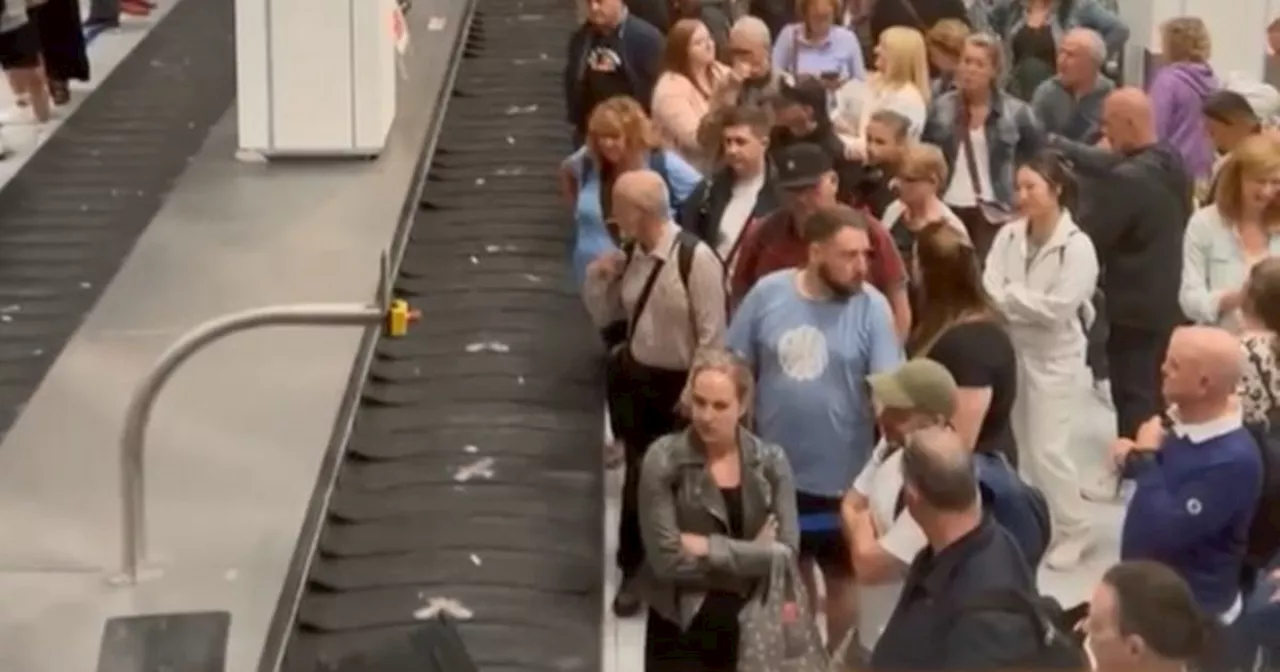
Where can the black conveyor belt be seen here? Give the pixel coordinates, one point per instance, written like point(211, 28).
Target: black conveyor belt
point(474, 470)
point(72, 214)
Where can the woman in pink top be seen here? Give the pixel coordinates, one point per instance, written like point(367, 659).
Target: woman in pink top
point(682, 95)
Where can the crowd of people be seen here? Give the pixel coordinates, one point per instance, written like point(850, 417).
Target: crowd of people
point(855, 265)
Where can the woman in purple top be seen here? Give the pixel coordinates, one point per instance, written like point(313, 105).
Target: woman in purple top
point(1179, 89)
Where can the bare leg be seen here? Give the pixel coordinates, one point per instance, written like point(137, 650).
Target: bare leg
point(841, 606)
point(19, 96)
point(31, 83)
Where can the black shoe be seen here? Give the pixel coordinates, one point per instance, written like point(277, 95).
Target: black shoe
point(626, 603)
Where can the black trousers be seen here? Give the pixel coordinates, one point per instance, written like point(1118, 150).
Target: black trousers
point(709, 645)
point(642, 402)
point(1134, 355)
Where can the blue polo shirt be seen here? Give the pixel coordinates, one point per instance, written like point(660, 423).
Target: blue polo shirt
point(1192, 507)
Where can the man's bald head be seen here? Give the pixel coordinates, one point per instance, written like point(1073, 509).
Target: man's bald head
point(1211, 354)
point(640, 206)
point(938, 469)
point(643, 189)
point(1128, 120)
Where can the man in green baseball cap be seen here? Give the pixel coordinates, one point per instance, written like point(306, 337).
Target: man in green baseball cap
point(919, 393)
point(883, 537)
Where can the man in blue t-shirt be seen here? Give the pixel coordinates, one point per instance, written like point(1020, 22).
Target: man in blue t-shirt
point(813, 336)
point(1198, 481)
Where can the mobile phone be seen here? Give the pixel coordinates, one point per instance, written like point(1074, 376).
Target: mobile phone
point(830, 75)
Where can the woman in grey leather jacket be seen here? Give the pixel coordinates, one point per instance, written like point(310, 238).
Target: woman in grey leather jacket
point(716, 503)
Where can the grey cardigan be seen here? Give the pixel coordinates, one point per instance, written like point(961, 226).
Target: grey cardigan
point(677, 495)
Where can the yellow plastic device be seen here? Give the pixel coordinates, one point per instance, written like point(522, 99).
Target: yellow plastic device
point(399, 317)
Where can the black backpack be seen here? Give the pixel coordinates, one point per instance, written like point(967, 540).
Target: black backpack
point(1264, 532)
point(1059, 646)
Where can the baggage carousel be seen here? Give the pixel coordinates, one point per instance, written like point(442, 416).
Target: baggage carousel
point(473, 472)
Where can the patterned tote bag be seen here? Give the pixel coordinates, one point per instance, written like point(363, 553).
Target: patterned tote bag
point(778, 632)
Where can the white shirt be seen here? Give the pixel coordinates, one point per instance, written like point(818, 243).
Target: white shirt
point(960, 192)
point(736, 213)
point(881, 483)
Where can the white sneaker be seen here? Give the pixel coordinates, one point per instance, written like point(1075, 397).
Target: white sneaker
point(1104, 489)
point(1068, 550)
point(19, 116)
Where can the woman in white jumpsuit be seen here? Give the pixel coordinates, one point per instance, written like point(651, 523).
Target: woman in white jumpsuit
point(1041, 273)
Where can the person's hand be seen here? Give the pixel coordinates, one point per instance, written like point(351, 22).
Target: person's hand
point(1230, 301)
point(1120, 451)
point(695, 545)
point(740, 71)
point(1103, 143)
point(1274, 578)
point(1150, 435)
point(607, 266)
point(768, 531)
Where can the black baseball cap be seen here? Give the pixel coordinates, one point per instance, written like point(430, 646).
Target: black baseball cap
point(802, 165)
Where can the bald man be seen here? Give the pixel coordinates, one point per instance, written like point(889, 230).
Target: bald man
point(1198, 472)
point(968, 555)
point(752, 80)
point(1070, 102)
point(1136, 200)
point(658, 300)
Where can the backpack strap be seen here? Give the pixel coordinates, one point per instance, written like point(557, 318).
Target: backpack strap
point(658, 164)
point(687, 245)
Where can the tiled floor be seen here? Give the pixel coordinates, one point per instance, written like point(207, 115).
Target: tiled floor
point(105, 52)
point(624, 639)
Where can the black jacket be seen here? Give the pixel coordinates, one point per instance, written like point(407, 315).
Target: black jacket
point(705, 206)
point(1136, 213)
point(931, 629)
point(642, 47)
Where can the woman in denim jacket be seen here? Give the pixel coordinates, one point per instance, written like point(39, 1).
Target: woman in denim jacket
point(1032, 29)
point(1223, 241)
point(717, 504)
point(1008, 134)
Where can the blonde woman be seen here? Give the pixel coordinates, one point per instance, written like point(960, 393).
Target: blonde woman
point(716, 504)
point(921, 175)
point(900, 83)
point(1179, 90)
point(682, 95)
point(1224, 240)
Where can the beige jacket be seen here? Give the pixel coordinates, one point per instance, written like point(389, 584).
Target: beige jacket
point(679, 107)
point(677, 496)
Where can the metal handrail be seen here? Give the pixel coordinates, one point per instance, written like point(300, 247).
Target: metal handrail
point(395, 314)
